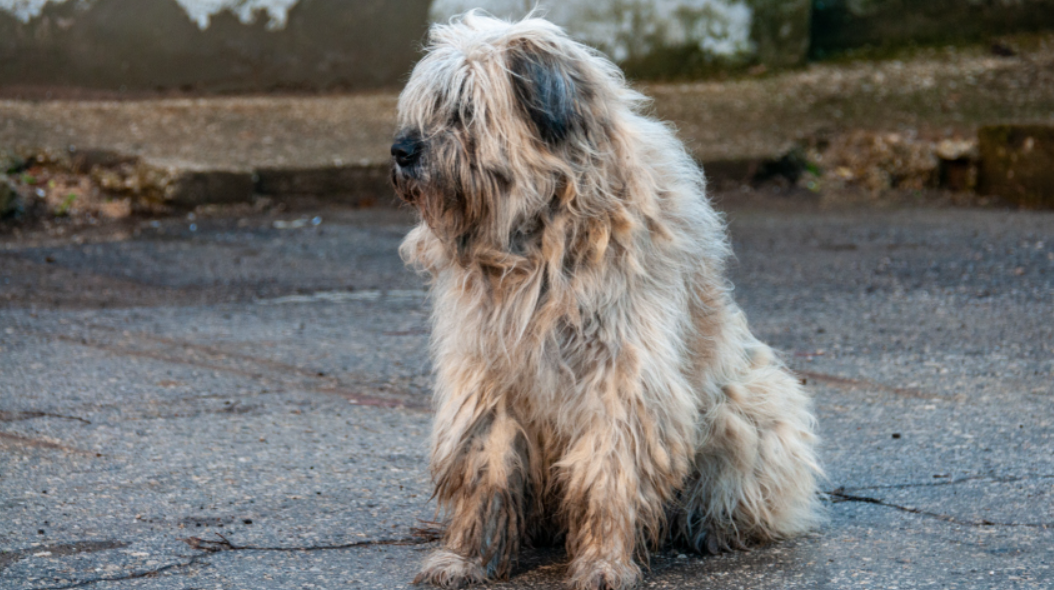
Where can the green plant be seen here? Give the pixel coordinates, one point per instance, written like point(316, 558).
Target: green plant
point(64, 208)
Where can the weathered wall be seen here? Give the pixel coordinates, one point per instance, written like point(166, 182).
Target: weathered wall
point(670, 38)
point(845, 24)
point(209, 45)
point(264, 45)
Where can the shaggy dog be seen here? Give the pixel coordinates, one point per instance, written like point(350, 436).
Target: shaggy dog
point(595, 381)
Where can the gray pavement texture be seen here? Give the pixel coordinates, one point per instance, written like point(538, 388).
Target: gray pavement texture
point(245, 405)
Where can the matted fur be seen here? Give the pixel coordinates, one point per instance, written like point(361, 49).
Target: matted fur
point(595, 381)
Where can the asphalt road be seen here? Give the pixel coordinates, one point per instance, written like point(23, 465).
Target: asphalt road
point(242, 406)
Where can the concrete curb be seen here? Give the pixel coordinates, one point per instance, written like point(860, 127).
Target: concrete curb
point(357, 185)
point(171, 184)
point(362, 185)
point(150, 183)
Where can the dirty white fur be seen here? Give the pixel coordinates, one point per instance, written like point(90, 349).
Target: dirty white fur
point(595, 381)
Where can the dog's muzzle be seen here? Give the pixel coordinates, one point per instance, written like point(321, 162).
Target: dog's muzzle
point(406, 151)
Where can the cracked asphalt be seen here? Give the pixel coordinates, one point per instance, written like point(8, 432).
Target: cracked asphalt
point(238, 406)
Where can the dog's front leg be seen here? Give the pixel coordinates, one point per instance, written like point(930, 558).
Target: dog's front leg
point(624, 461)
point(602, 507)
point(479, 462)
point(631, 436)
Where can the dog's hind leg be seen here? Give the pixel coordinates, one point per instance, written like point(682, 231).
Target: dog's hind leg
point(480, 463)
point(754, 478)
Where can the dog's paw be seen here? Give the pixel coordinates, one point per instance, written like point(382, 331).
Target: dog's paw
point(603, 575)
point(449, 570)
point(718, 541)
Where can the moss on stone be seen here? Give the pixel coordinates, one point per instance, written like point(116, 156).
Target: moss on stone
point(1017, 164)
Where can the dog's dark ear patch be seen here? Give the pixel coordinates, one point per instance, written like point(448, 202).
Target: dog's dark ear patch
point(548, 92)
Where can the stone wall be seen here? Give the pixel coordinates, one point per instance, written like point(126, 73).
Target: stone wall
point(278, 45)
point(670, 38)
point(209, 45)
point(845, 24)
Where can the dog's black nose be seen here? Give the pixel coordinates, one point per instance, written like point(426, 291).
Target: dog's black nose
point(406, 150)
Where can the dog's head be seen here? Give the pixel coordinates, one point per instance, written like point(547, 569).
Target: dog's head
point(495, 125)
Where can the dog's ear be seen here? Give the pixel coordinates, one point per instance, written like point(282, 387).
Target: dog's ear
point(548, 90)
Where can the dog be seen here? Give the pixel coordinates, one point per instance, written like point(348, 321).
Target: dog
point(595, 382)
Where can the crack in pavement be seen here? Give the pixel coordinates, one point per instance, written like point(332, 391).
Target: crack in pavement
point(417, 537)
point(194, 559)
point(850, 383)
point(949, 482)
point(181, 352)
point(42, 444)
point(7, 559)
point(219, 353)
point(18, 416)
point(844, 497)
point(209, 547)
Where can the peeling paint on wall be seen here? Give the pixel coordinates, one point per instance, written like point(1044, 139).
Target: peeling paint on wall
point(631, 29)
point(24, 10)
point(199, 11)
point(144, 47)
